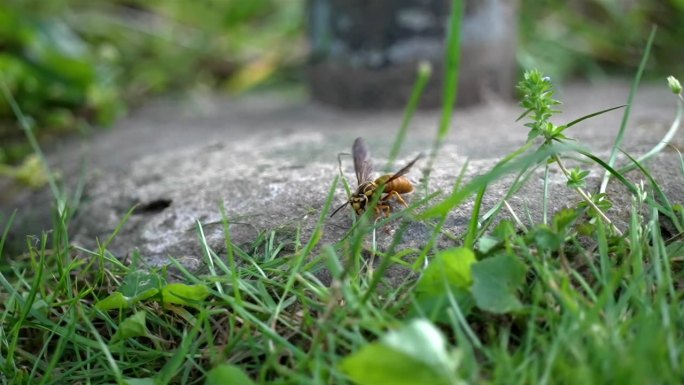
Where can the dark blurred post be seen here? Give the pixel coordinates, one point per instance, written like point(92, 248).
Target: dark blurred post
point(364, 53)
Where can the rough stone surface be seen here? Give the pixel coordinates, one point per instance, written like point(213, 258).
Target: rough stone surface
point(271, 164)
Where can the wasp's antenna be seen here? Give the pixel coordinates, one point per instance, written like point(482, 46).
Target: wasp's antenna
point(339, 208)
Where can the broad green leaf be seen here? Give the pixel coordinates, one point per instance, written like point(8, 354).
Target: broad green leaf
point(133, 326)
point(449, 270)
point(115, 300)
point(414, 354)
point(496, 280)
point(182, 294)
point(379, 364)
point(452, 265)
point(435, 306)
point(137, 286)
point(486, 243)
point(421, 340)
point(546, 239)
point(563, 220)
point(141, 285)
point(225, 374)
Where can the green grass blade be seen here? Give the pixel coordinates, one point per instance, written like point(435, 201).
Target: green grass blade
point(625, 117)
point(167, 373)
point(611, 170)
point(452, 64)
point(30, 299)
point(424, 73)
point(664, 205)
point(498, 171)
point(519, 181)
point(664, 142)
point(207, 253)
point(545, 195)
point(64, 340)
point(33, 141)
point(235, 280)
point(385, 263)
point(473, 225)
point(450, 84)
point(438, 227)
point(313, 241)
point(118, 227)
point(5, 232)
point(585, 117)
point(102, 346)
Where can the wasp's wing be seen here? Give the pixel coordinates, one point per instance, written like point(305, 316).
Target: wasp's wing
point(403, 170)
point(362, 162)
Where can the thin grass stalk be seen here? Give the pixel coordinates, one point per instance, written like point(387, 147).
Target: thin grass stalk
point(625, 117)
point(450, 84)
point(424, 74)
point(33, 142)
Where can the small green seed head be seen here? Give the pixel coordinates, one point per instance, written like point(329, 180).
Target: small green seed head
point(424, 68)
point(674, 85)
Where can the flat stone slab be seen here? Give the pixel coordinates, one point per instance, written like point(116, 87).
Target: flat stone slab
point(271, 162)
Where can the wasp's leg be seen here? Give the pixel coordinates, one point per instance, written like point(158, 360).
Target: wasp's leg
point(397, 196)
point(384, 209)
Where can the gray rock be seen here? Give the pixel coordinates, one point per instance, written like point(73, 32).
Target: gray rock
point(271, 164)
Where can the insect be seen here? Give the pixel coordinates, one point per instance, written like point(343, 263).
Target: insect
point(394, 184)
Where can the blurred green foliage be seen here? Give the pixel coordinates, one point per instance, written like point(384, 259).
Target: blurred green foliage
point(596, 37)
point(72, 63)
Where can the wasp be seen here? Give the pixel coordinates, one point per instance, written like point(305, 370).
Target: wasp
point(394, 185)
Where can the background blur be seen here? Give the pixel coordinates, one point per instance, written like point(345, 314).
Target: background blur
point(77, 64)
